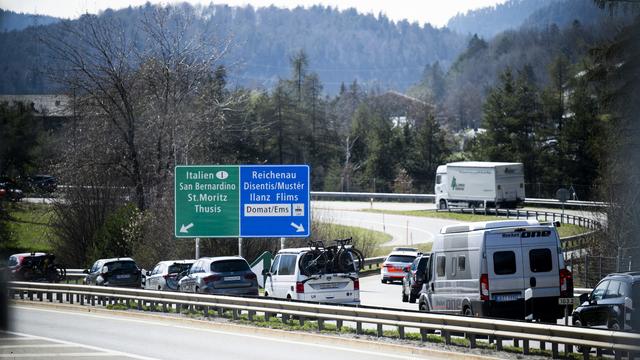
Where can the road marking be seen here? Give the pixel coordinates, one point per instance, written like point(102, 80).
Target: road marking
point(62, 355)
point(36, 346)
point(107, 352)
point(265, 338)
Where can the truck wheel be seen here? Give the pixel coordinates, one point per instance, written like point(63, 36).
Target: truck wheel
point(443, 205)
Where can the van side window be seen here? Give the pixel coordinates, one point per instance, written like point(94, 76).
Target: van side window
point(540, 260)
point(441, 265)
point(274, 265)
point(287, 265)
point(462, 264)
point(504, 262)
point(454, 262)
point(438, 179)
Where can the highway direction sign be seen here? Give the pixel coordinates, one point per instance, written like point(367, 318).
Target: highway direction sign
point(242, 201)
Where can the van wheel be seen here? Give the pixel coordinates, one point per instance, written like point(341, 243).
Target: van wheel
point(443, 205)
point(614, 326)
point(405, 298)
point(266, 294)
point(467, 311)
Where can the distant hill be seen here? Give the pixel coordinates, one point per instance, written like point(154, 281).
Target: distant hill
point(489, 21)
point(10, 20)
point(563, 13)
point(342, 46)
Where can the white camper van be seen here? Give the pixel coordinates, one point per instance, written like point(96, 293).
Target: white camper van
point(509, 269)
point(286, 281)
point(479, 184)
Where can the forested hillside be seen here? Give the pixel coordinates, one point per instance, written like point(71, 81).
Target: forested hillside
point(10, 20)
point(343, 46)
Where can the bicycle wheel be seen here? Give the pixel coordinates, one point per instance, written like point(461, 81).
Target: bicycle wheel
point(350, 259)
point(312, 263)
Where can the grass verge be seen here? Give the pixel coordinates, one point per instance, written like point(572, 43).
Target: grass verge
point(29, 227)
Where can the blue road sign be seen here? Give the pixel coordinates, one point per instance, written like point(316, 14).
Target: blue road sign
point(274, 201)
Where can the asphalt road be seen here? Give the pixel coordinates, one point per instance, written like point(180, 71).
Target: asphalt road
point(375, 293)
point(405, 230)
point(39, 332)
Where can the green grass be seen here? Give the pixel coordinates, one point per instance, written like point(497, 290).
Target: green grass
point(365, 240)
point(564, 230)
point(29, 227)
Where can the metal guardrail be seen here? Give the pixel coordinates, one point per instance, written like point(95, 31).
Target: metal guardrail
point(525, 214)
point(447, 325)
point(431, 198)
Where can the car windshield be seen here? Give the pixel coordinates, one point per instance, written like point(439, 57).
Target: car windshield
point(401, 258)
point(229, 266)
point(179, 268)
point(121, 265)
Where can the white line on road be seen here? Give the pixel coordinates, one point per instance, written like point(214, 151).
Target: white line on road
point(106, 352)
point(23, 346)
point(62, 355)
point(265, 338)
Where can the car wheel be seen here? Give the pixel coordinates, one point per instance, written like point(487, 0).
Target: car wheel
point(412, 299)
point(266, 294)
point(405, 298)
point(443, 205)
point(423, 306)
point(467, 311)
point(383, 281)
point(614, 326)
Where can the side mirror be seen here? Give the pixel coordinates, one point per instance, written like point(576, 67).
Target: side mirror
point(584, 298)
point(147, 273)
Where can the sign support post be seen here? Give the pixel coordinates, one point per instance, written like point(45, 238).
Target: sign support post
point(197, 248)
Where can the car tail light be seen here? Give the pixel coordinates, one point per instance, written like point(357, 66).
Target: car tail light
point(250, 276)
point(211, 278)
point(300, 287)
point(484, 287)
point(356, 284)
point(566, 283)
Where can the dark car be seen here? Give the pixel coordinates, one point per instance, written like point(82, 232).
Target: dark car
point(225, 275)
point(10, 189)
point(35, 266)
point(43, 184)
point(117, 272)
point(414, 278)
point(611, 303)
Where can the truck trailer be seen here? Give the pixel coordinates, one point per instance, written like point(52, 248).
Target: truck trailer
point(476, 184)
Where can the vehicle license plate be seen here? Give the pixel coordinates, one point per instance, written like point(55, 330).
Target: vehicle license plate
point(566, 301)
point(125, 276)
point(232, 278)
point(506, 297)
point(328, 286)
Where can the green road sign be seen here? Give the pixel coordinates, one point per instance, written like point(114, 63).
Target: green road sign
point(207, 199)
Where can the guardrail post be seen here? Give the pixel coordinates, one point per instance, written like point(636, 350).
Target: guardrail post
point(339, 324)
point(423, 335)
point(401, 332)
point(568, 349)
point(543, 345)
point(285, 318)
point(221, 312)
point(320, 324)
point(498, 343)
point(359, 328)
point(251, 314)
point(60, 298)
point(472, 341)
point(516, 343)
point(234, 314)
point(554, 351)
point(617, 354)
point(139, 304)
point(525, 346)
point(379, 332)
point(301, 320)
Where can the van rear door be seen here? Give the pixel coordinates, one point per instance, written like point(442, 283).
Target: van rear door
point(504, 266)
point(540, 260)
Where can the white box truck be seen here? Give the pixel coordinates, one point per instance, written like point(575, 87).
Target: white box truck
point(479, 184)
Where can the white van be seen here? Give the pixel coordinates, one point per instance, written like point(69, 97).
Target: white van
point(491, 268)
point(284, 280)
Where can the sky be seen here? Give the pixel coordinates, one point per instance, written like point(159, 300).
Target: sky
point(435, 12)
